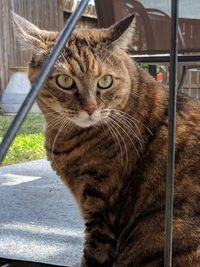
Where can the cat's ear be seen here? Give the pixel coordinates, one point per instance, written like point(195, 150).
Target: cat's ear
point(30, 35)
point(121, 33)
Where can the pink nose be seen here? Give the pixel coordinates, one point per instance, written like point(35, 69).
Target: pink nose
point(90, 109)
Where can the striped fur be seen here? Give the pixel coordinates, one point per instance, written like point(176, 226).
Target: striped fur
point(116, 169)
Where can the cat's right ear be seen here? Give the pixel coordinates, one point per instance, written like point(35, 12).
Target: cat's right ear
point(28, 34)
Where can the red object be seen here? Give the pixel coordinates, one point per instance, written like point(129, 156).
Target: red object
point(159, 77)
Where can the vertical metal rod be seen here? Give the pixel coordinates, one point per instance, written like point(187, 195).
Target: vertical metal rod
point(28, 102)
point(171, 135)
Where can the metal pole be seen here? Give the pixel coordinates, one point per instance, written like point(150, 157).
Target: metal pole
point(171, 135)
point(28, 102)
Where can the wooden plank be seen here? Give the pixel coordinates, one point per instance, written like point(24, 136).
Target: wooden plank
point(61, 15)
point(47, 14)
point(6, 45)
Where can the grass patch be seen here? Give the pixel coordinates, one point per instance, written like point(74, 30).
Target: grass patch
point(29, 143)
point(34, 123)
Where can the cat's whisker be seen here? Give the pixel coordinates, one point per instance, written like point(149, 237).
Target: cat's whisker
point(132, 118)
point(67, 123)
point(55, 122)
point(132, 142)
point(129, 121)
point(118, 125)
point(129, 128)
point(113, 124)
point(104, 115)
point(95, 126)
point(52, 118)
point(128, 124)
point(115, 137)
point(118, 136)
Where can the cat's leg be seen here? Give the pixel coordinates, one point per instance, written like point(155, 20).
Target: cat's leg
point(100, 242)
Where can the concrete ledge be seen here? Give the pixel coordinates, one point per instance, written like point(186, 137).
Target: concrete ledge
point(39, 220)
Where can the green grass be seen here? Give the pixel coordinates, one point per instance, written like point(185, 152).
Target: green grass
point(29, 142)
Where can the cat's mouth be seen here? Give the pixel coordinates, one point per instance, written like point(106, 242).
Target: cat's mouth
point(85, 120)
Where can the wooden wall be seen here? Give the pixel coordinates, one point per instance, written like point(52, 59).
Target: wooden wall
point(46, 14)
point(70, 5)
point(84, 22)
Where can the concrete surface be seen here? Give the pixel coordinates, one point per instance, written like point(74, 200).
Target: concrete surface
point(39, 220)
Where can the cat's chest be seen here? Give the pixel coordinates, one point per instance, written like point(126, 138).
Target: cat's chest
point(78, 149)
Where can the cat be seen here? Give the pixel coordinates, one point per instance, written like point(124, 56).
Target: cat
point(106, 137)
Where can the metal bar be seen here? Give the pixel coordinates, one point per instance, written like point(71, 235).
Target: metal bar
point(171, 135)
point(182, 79)
point(165, 58)
point(28, 102)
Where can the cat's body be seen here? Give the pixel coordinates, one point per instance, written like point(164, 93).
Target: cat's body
point(116, 167)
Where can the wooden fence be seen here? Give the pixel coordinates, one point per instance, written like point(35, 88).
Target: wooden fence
point(89, 17)
point(46, 14)
point(69, 6)
point(191, 86)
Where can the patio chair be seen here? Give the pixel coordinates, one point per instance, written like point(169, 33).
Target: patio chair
point(152, 25)
point(155, 39)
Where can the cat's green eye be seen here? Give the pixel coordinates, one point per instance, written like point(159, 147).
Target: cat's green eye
point(65, 81)
point(105, 82)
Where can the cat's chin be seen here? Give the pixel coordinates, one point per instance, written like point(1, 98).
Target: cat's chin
point(85, 123)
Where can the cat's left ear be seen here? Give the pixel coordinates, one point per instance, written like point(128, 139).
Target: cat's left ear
point(121, 33)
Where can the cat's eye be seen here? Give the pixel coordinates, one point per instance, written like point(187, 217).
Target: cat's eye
point(65, 81)
point(105, 82)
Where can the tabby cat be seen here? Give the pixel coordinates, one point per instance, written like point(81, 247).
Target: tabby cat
point(106, 137)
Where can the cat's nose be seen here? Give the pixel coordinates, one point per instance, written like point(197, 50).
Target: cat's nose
point(90, 109)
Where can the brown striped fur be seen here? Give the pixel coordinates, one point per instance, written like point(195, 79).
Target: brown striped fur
point(116, 168)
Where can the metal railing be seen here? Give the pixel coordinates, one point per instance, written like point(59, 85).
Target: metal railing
point(63, 37)
point(171, 134)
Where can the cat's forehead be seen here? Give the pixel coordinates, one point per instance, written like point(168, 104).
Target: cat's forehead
point(92, 38)
point(85, 46)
